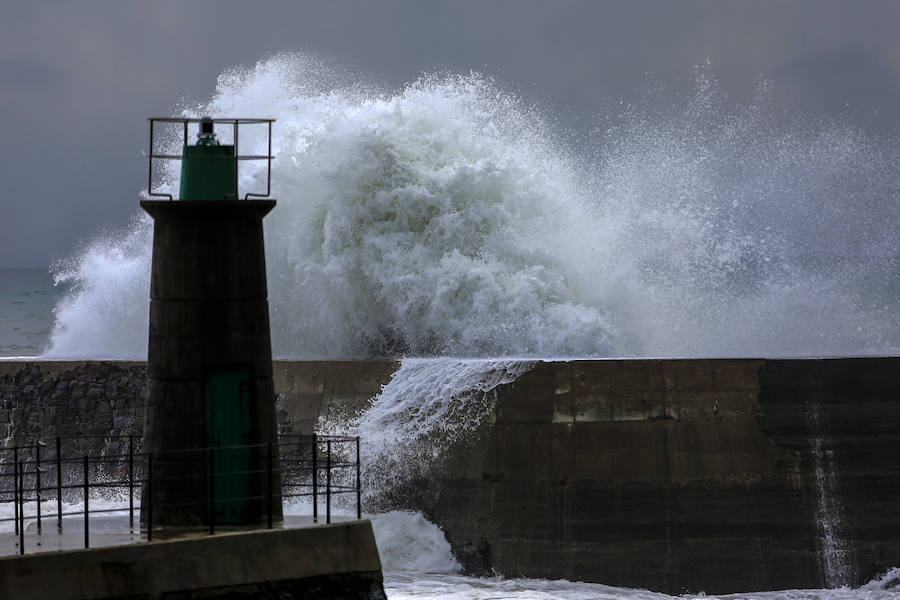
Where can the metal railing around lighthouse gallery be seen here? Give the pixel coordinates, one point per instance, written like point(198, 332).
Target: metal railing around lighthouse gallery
point(31, 476)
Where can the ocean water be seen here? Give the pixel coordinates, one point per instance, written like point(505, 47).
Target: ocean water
point(27, 300)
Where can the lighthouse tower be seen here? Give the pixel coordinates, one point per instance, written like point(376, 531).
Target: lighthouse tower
point(210, 404)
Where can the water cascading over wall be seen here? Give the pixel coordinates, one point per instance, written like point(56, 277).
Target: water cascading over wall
point(838, 563)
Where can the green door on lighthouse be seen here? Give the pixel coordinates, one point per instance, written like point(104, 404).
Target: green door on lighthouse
point(228, 425)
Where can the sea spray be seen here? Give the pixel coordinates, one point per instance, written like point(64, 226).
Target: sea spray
point(413, 224)
point(107, 308)
point(749, 232)
point(448, 218)
point(429, 407)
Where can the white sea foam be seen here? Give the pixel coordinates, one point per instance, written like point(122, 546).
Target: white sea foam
point(447, 218)
point(403, 584)
point(407, 541)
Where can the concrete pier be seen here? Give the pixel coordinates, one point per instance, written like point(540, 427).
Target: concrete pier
point(328, 561)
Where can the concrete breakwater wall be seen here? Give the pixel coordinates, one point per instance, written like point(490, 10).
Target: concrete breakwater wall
point(673, 475)
point(682, 475)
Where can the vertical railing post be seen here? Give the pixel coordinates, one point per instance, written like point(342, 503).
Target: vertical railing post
point(148, 481)
point(16, 487)
point(131, 483)
point(87, 535)
point(21, 484)
point(269, 485)
point(315, 474)
point(328, 485)
point(358, 484)
point(59, 483)
point(212, 491)
point(237, 153)
point(205, 461)
point(37, 482)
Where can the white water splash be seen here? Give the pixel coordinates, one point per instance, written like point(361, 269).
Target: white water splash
point(429, 406)
point(407, 541)
point(448, 218)
point(108, 307)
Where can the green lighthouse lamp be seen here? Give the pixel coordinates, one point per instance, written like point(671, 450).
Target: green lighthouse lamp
point(209, 169)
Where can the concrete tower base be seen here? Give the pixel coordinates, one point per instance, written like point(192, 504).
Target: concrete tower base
point(209, 372)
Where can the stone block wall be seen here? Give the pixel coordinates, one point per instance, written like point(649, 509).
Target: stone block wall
point(93, 406)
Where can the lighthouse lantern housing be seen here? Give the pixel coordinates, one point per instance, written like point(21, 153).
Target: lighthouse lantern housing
point(209, 168)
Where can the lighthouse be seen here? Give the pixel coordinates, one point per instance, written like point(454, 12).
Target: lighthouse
point(210, 428)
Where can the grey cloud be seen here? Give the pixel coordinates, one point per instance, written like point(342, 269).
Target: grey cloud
point(20, 75)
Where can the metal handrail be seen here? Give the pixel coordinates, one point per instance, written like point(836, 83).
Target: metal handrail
point(235, 123)
point(290, 488)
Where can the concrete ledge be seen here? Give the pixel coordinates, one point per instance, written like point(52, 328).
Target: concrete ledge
point(338, 560)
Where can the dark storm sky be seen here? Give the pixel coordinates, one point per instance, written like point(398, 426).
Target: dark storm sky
point(79, 79)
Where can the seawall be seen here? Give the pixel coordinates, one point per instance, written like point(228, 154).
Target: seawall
point(674, 475)
point(682, 475)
